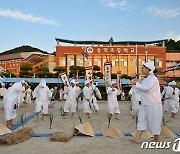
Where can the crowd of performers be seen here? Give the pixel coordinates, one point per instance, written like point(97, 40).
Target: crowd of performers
point(146, 99)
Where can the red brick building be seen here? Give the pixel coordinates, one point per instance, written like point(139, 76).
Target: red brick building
point(127, 57)
point(13, 62)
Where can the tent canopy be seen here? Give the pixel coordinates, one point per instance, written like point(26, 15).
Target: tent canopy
point(58, 80)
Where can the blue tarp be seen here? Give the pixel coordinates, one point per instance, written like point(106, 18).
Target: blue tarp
point(58, 80)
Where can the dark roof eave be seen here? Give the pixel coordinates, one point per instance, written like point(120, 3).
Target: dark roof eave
point(113, 43)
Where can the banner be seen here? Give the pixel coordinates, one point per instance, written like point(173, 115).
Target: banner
point(118, 80)
point(107, 73)
point(77, 76)
point(89, 73)
point(64, 79)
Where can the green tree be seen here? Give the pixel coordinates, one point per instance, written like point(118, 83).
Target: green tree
point(73, 71)
point(59, 69)
point(8, 74)
point(98, 75)
point(113, 76)
point(96, 68)
point(24, 70)
point(45, 75)
point(43, 69)
point(26, 66)
point(170, 45)
point(125, 76)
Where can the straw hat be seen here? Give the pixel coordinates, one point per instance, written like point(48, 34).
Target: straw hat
point(166, 132)
point(4, 129)
point(85, 128)
point(112, 131)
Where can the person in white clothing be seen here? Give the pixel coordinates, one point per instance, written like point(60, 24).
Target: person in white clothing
point(136, 100)
point(28, 95)
point(112, 102)
point(60, 94)
point(42, 96)
point(86, 99)
point(173, 95)
point(123, 96)
point(70, 103)
point(79, 90)
point(65, 92)
point(95, 93)
point(150, 114)
point(2, 94)
point(165, 98)
point(12, 98)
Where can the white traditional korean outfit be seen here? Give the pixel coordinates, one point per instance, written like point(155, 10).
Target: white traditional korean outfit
point(150, 114)
point(28, 95)
point(12, 98)
point(2, 94)
point(122, 96)
point(135, 99)
point(166, 98)
point(173, 99)
point(71, 103)
point(112, 102)
point(43, 96)
point(65, 92)
point(61, 94)
point(86, 97)
point(79, 90)
point(93, 99)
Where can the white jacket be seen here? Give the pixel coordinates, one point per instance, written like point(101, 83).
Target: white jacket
point(14, 94)
point(150, 90)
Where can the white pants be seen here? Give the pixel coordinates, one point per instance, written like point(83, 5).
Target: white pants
point(10, 112)
point(166, 105)
point(113, 107)
point(135, 108)
point(43, 108)
point(150, 118)
point(1, 104)
point(174, 106)
point(28, 99)
point(95, 104)
point(70, 105)
point(86, 106)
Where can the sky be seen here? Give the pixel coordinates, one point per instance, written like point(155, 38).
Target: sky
point(38, 22)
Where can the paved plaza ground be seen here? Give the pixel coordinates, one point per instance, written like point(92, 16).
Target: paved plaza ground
point(84, 144)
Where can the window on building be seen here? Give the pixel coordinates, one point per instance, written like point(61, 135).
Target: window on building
point(3, 62)
point(70, 61)
point(159, 63)
point(97, 61)
point(79, 60)
point(115, 61)
point(89, 61)
point(150, 58)
point(133, 61)
point(62, 62)
point(104, 60)
point(124, 62)
point(141, 61)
